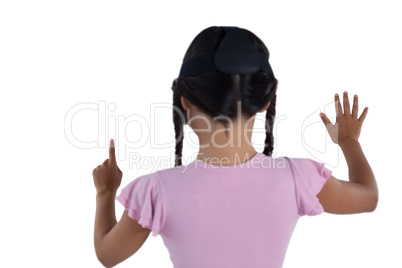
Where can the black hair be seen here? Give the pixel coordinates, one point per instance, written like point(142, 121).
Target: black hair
point(216, 93)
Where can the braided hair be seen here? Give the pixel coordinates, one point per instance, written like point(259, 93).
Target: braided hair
point(216, 93)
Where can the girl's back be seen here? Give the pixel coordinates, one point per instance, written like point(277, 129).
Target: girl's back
point(227, 216)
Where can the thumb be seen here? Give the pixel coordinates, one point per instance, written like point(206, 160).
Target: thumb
point(325, 119)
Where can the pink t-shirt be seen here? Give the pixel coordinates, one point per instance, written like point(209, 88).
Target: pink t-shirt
point(227, 216)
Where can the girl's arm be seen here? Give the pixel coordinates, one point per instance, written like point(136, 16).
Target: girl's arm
point(360, 193)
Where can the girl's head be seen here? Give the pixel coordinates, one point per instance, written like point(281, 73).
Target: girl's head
point(217, 96)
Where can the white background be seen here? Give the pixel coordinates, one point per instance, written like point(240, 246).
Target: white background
point(58, 54)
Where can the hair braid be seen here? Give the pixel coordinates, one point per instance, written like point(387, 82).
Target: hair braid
point(178, 127)
point(269, 123)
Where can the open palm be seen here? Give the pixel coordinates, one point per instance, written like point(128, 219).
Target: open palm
point(347, 125)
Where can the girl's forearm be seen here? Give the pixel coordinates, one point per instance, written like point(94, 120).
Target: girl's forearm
point(359, 168)
point(105, 218)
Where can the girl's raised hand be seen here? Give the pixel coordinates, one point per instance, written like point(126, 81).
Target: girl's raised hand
point(107, 177)
point(347, 126)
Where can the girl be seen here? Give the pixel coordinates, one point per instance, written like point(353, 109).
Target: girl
point(232, 206)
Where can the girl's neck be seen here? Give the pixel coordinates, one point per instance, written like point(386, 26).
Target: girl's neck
point(227, 156)
point(222, 148)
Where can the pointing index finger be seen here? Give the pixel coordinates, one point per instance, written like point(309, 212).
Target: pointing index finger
point(112, 156)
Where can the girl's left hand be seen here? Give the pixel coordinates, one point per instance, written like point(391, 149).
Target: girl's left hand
point(107, 177)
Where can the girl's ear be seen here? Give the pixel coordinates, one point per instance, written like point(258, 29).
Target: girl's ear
point(265, 108)
point(184, 103)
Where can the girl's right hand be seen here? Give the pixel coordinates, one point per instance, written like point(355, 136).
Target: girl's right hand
point(347, 126)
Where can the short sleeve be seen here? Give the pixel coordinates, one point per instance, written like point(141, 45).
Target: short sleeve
point(309, 178)
point(143, 199)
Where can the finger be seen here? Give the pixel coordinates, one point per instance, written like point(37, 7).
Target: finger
point(106, 161)
point(355, 107)
point(338, 106)
point(346, 106)
point(363, 116)
point(325, 119)
point(112, 155)
point(96, 169)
